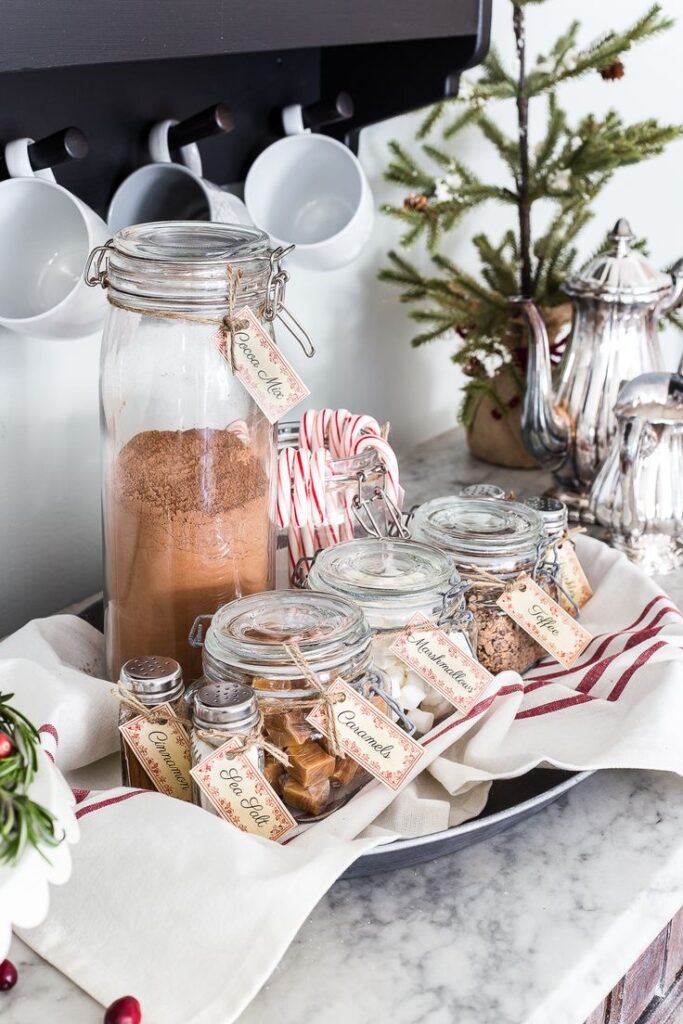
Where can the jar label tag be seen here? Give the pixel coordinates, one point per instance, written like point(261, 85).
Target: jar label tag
point(368, 736)
point(163, 750)
point(572, 577)
point(543, 619)
point(260, 366)
point(241, 793)
point(431, 653)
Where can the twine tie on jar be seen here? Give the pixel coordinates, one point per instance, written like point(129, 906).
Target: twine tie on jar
point(247, 740)
point(151, 714)
point(294, 652)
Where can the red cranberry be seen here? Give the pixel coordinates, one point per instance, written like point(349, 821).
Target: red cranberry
point(6, 745)
point(125, 1010)
point(8, 975)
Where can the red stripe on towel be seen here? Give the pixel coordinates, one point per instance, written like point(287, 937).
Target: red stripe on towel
point(108, 803)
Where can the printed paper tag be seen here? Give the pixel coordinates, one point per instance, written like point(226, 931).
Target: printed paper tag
point(441, 663)
point(163, 750)
point(241, 793)
point(369, 737)
point(266, 374)
point(572, 577)
point(545, 621)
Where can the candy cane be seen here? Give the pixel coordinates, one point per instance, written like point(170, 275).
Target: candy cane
point(321, 427)
point(240, 429)
point(301, 478)
point(318, 471)
point(336, 432)
point(285, 463)
point(386, 454)
point(307, 429)
point(357, 427)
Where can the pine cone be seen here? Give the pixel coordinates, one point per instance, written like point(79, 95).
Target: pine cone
point(416, 201)
point(612, 71)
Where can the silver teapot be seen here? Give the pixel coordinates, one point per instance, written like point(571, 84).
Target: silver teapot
point(617, 299)
point(638, 492)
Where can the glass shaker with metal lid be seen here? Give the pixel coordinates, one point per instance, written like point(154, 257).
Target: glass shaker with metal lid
point(392, 580)
point(492, 542)
point(252, 641)
point(151, 681)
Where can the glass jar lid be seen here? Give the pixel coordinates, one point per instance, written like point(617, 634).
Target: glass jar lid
point(482, 491)
point(250, 634)
point(554, 515)
point(229, 707)
point(500, 536)
point(152, 679)
point(391, 579)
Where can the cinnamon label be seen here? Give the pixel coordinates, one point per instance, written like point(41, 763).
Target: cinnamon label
point(572, 577)
point(440, 662)
point(163, 750)
point(368, 736)
point(263, 370)
point(241, 793)
point(543, 619)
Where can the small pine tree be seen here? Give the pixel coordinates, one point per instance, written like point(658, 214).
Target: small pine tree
point(569, 167)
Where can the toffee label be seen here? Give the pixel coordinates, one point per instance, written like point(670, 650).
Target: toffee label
point(369, 737)
point(543, 619)
point(163, 750)
point(572, 577)
point(261, 367)
point(441, 663)
point(241, 793)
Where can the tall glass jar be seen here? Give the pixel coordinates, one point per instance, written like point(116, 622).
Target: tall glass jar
point(492, 543)
point(245, 642)
point(392, 580)
point(188, 455)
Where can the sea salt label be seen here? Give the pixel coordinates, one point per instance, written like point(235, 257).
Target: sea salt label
point(163, 750)
point(369, 737)
point(543, 619)
point(261, 367)
point(440, 662)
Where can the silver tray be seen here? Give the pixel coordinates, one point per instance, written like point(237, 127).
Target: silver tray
point(510, 801)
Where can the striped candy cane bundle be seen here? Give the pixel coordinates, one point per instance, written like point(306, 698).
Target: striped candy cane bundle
point(316, 491)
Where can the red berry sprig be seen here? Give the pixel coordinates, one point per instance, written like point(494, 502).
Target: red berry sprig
point(125, 1010)
point(6, 745)
point(8, 975)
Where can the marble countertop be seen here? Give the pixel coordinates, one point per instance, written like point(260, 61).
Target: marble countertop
point(533, 926)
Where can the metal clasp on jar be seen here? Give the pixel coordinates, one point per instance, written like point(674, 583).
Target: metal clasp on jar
point(198, 633)
point(275, 301)
point(95, 273)
point(453, 609)
point(361, 509)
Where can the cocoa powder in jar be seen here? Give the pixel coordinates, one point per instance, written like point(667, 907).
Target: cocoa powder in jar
point(188, 529)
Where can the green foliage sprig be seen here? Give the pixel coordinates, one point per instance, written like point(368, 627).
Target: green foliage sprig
point(568, 168)
point(22, 821)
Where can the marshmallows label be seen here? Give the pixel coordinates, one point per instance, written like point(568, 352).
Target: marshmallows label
point(572, 577)
point(369, 737)
point(263, 370)
point(241, 793)
point(544, 620)
point(163, 750)
point(441, 663)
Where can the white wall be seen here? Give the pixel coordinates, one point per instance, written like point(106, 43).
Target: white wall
point(49, 431)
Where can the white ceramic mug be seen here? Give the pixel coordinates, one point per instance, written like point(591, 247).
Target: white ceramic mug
point(46, 235)
point(311, 190)
point(165, 190)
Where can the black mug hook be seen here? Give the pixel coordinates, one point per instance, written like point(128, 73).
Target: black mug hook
point(215, 120)
point(66, 144)
point(297, 119)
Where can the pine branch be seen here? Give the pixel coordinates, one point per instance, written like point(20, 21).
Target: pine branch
point(433, 116)
point(404, 170)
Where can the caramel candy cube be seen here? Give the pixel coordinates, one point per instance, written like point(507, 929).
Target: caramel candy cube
point(345, 770)
point(272, 771)
point(287, 728)
point(309, 763)
point(312, 799)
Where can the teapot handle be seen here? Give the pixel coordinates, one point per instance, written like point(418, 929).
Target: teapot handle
point(628, 451)
point(673, 298)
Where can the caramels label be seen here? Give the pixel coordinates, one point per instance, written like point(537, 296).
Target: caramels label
point(163, 750)
point(241, 793)
point(441, 663)
point(572, 577)
point(544, 620)
point(257, 361)
point(368, 736)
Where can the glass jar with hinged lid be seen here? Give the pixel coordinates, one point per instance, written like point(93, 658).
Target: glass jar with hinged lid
point(189, 456)
point(275, 642)
point(392, 580)
point(357, 504)
point(492, 542)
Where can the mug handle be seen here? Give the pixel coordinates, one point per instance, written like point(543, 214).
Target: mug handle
point(160, 151)
point(18, 163)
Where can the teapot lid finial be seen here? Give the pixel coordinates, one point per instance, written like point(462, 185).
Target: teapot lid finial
point(623, 236)
point(619, 273)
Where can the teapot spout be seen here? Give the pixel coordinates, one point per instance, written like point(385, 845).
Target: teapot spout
point(545, 430)
point(673, 298)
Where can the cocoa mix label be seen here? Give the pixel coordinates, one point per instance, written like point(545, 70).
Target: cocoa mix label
point(572, 577)
point(543, 619)
point(241, 793)
point(163, 750)
point(369, 737)
point(263, 370)
point(440, 662)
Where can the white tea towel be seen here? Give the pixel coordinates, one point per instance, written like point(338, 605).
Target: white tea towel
point(156, 880)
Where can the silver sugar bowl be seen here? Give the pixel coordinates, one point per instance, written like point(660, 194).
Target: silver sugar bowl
point(638, 492)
